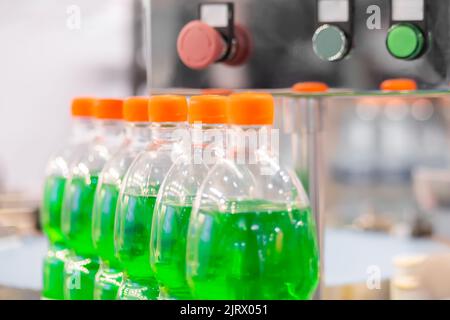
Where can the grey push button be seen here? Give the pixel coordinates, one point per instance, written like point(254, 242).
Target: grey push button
point(330, 43)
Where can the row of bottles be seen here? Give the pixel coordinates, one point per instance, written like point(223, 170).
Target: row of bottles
point(175, 198)
point(386, 139)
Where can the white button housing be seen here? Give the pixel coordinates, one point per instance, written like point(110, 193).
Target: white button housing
point(333, 11)
point(408, 10)
point(215, 15)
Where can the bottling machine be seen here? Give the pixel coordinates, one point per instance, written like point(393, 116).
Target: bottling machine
point(362, 138)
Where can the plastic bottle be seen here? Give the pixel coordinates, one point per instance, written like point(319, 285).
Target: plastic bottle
point(82, 263)
point(137, 198)
point(56, 175)
point(251, 233)
point(294, 117)
point(137, 138)
point(398, 142)
point(207, 117)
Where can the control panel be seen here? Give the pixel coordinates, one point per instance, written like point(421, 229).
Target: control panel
point(273, 44)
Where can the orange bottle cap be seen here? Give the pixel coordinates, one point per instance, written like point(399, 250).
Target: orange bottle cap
point(398, 85)
point(251, 109)
point(83, 107)
point(109, 109)
point(310, 87)
point(135, 109)
point(217, 91)
point(167, 108)
point(209, 109)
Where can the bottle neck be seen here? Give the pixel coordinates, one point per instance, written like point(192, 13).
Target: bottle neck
point(138, 133)
point(207, 142)
point(248, 143)
point(109, 132)
point(207, 134)
point(167, 132)
point(83, 130)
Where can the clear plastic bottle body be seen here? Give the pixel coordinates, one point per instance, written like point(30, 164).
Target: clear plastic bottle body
point(134, 211)
point(174, 205)
point(79, 195)
point(252, 234)
point(290, 118)
point(57, 173)
point(109, 276)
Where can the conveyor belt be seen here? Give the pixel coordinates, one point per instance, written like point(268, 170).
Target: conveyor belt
point(348, 255)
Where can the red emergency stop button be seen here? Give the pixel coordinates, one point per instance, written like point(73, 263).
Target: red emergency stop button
point(200, 45)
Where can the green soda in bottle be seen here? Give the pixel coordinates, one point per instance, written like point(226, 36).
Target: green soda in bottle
point(207, 117)
point(82, 263)
point(109, 277)
point(251, 234)
point(137, 198)
point(53, 194)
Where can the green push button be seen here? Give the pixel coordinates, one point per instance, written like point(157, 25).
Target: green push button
point(405, 41)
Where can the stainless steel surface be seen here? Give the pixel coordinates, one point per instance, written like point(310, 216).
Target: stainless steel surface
point(282, 48)
point(314, 109)
point(7, 293)
point(18, 214)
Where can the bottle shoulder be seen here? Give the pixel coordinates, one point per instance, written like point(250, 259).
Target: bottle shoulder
point(230, 182)
point(147, 172)
point(90, 160)
point(182, 181)
point(116, 167)
point(61, 161)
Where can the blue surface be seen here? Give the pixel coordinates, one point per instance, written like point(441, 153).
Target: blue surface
point(21, 262)
point(348, 255)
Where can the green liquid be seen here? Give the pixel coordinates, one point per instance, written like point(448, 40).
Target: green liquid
point(52, 207)
point(303, 176)
point(82, 265)
point(132, 231)
point(79, 277)
point(53, 268)
point(169, 256)
point(109, 276)
point(107, 283)
point(103, 222)
point(263, 254)
point(53, 272)
point(77, 215)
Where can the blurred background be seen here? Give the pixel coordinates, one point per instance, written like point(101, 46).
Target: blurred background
point(52, 50)
point(386, 172)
